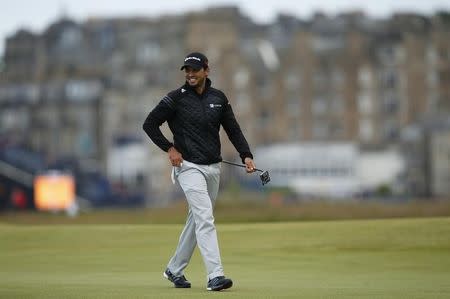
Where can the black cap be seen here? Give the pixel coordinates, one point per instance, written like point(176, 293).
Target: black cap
point(195, 60)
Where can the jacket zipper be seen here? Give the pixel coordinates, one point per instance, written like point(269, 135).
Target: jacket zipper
point(208, 125)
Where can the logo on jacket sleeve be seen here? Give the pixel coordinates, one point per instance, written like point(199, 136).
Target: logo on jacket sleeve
point(215, 105)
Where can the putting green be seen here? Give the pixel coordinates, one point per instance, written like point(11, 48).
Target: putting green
point(396, 258)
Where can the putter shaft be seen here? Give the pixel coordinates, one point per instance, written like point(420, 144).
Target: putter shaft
point(240, 165)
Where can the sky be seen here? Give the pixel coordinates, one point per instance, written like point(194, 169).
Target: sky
point(37, 15)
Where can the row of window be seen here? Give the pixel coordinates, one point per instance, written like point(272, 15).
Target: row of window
point(313, 172)
point(73, 90)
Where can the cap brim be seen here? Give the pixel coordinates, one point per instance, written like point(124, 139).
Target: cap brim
point(194, 66)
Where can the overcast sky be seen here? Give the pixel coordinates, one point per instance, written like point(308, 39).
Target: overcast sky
point(37, 15)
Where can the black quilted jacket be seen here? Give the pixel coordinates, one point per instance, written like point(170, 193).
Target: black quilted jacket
point(195, 123)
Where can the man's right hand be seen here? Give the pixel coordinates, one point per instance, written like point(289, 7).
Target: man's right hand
point(175, 157)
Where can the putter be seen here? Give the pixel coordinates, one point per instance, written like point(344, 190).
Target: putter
point(264, 176)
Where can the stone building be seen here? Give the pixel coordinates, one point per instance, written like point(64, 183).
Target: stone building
point(81, 89)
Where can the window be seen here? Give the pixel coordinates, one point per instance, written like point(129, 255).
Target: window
point(241, 78)
point(12, 119)
point(82, 91)
point(264, 118)
point(292, 80)
point(148, 52)
point(293, 105)
point(293, 131)
point(391, 103)
point(389, 79)
point(337, 104)
point(366, 130)
point(365, 79)
point(319, 80)
point(319, 106)
point(325, 43)
point(387, 54)
point(242, 102)
point(70, 38)
point(432, 78)
point(337, 78)
point(390, 130)
point(264, 85)
point(106, 38)
point(320, 130)
point(431, 55)
point(365, 105)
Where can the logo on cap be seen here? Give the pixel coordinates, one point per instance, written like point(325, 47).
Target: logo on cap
point(192, 57)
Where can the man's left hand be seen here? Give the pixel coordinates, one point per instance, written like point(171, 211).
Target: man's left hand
point(249, 165)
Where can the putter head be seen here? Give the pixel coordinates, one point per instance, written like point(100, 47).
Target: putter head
point(265, 178)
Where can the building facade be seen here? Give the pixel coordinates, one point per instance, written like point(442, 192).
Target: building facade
point(81, 89)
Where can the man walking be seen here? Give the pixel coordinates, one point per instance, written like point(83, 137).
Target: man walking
point(194, 113)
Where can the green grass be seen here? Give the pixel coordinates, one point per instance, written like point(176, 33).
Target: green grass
point(229, 210)
point(390, 258)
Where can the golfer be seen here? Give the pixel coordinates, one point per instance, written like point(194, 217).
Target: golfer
point(194, 113)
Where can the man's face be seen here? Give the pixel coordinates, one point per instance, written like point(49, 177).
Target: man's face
point(195, 78)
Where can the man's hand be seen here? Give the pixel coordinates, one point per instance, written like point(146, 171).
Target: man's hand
point(175, 157)
point(249, 165)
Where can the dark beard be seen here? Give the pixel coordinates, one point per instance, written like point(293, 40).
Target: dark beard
point(199, 83)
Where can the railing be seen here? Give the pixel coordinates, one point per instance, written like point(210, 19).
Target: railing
point(16, 174)
point(27, 179)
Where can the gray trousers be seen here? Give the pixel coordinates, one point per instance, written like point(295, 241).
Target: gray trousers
point(200, 184)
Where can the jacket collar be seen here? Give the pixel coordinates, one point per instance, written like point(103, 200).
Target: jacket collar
point(207, 86)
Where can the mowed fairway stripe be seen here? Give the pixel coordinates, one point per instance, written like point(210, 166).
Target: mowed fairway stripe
point(396, 258)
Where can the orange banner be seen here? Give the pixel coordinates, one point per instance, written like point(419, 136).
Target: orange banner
point(54, 192)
